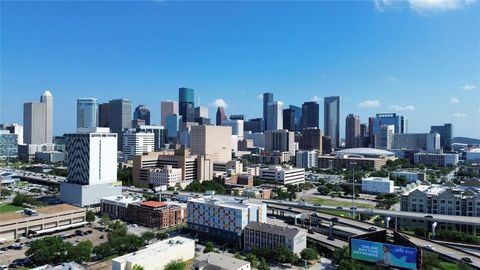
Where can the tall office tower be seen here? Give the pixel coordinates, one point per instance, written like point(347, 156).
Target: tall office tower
point(214, 142)
point(363, 130)
point(173, 122)
point(136, 143)
point(352, 130)
point(91, 167)
point(446, 133)
point(120, 116)
point(186, 105)
point(310, 115)
point(15, 129)
point(87, 113)
point(201, 112)
point(104, 115)
point(237, 127)
point(363, 140)
point(331, 119)
point(38, 120)
point(400, 123)
point(255, 125)
point(159, 132)
point(275, 115)
point(384, 140)
point(327, 145)
point(237, 117)
point(298, 117)
point(142, 113)
point(267, 98)
point(289, 119)
point(221, 116)
point(168, 107)
point(311, 139)
point(280, 140)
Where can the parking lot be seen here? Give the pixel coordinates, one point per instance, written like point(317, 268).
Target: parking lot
point(9, 254)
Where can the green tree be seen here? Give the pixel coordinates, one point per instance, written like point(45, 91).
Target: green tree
point(81, 252)
point(90, 216)
point(263, 265)
point(47, 250)
point(5, 193)
point(324, 190)
point(309, 254)
point(175, 265)
point(252, 259)
point(237, 255)
point(208, 247)
point(138, 267)
point(387, 200)
point(161, 235)
point(430, 260)
point(147, 236)
point(283, 255)
point(105, 220)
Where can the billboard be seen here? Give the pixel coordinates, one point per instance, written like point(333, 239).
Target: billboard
point(386, 254)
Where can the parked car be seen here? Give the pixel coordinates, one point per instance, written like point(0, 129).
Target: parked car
point(373, 229)
point(430, 247)
point(339, 208)
point(466, 259)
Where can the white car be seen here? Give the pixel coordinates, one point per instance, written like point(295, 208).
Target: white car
point(430, 247)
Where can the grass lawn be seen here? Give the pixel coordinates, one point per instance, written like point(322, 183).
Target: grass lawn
point(333, 202)
point(9, 208)
point(448, 266)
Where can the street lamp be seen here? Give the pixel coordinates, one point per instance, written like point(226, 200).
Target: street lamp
point(353, 163)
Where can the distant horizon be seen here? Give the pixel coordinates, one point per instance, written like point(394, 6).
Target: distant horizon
point(420, 61)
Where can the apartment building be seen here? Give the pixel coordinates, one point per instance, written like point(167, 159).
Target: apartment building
point(155, 214)
point(223, 217)
point(263, 235)
point(116, 206)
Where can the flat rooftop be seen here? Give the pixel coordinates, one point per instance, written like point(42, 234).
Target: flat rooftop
point(42, 211)
point(219, 260)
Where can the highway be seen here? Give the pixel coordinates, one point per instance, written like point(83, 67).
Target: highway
point(443, 250)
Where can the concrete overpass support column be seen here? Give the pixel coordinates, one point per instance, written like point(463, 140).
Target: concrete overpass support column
point(434, 225)
point(396, 223)
point(387, 222)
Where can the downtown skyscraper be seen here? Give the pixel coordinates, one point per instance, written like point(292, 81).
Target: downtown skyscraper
point(267, 98)
point(38, 120)
point(352, 130)
point(310, 115)
point(186, 106)
point(87, 113)
point(142, 113)
point(120, 117)
point(331, 119)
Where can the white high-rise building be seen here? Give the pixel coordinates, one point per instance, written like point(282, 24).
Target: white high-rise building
point(306, 159)
point(91, 167)
point(137, 143)
point(38, 120)
point(275, 114)
point(237, 127)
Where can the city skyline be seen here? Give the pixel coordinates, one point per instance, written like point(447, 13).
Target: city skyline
point(289, 58)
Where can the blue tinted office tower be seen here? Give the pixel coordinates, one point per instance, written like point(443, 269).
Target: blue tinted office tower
point(331, 119)
point(267, 98)
point(237, 117)
point(446, 133)
point(120, 117)
point(310, 115)
point(400, 123)
point(298, 117)
point(87, 113)
point(142, 113)
point(275, 115)
point(173, 125)
point(254, 125)
point(186, 105)
point(289, 119)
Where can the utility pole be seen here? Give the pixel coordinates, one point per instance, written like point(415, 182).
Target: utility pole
point(353, 163)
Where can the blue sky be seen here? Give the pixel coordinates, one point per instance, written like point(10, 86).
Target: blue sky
point(420, 59)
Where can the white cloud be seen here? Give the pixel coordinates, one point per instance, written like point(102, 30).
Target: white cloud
point(315, 98)
point(392, 79)
point(380, 5)
point(432, 6)
point(454, 101)
point(260, 96)
point(402, 108)
point(469, 87)
point(460, 115)
point(369, 104)
point(219, 102)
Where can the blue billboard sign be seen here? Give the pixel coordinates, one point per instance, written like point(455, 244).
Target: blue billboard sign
point(386, 254)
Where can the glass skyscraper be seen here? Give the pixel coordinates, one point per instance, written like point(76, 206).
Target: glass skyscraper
point(446, 133)
point(186, 106)
point(310, 115)
point(87, 113)
point(331, 120)
point(267, 98)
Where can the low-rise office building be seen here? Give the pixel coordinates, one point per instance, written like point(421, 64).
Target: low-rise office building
point(345, 162)
point(157, 255)
point(440, 159)
point(377, 185)
point(166, 176)
point(116, 206)
point(411, 176)
point(40, 220)
point(263, 235)
point(155, 214)
point(223, 217)
point(258, 193)
point(283, 175)
point(216, 261)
